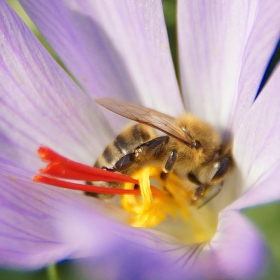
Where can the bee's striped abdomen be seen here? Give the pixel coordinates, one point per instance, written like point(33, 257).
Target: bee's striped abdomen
point(129, 139)
point(125, 142)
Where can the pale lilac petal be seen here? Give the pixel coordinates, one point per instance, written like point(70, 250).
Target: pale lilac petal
point(237, 249)
point(256, 140)
point(113, 48)
point(40, 104)
point(216, 40)
point(28, 237)
point(265, 191)
point(259, 48)
point(210, 54)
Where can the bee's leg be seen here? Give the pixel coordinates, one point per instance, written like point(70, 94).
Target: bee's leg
point(127, 160)
point(193, 179)
point(122, 164)
point(200, 190)
point(156, 143)
point(169, 164)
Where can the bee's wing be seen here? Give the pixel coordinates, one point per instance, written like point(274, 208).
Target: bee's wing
point(147, 116)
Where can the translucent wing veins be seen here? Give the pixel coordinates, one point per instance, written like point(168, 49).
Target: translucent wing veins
point(150, 117)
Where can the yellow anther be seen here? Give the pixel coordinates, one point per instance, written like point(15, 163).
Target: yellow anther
point(148, 211)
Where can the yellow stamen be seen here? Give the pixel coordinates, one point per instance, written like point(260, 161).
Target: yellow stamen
point(148, 211)
point(174, 204)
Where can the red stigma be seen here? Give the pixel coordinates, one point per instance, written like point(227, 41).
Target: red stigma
point(59, 169)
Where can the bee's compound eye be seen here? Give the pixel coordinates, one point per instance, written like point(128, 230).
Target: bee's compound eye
point(196, 144)
point(225, 164)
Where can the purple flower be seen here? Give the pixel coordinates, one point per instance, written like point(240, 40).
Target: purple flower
point(120, 49)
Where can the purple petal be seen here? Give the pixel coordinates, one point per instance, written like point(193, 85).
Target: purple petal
point(257, 138)
point(40, 104)
point(216, 41)
point(112, 48)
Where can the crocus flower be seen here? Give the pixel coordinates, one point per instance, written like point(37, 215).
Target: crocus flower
point(120, 49)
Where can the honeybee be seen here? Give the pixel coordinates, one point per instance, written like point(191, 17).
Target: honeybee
point(190, 148)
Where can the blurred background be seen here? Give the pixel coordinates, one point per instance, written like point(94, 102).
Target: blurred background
point(266, 217)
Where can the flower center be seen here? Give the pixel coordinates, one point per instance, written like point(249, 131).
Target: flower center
point(172, 205)
point(167, 208)
point(149, 211)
